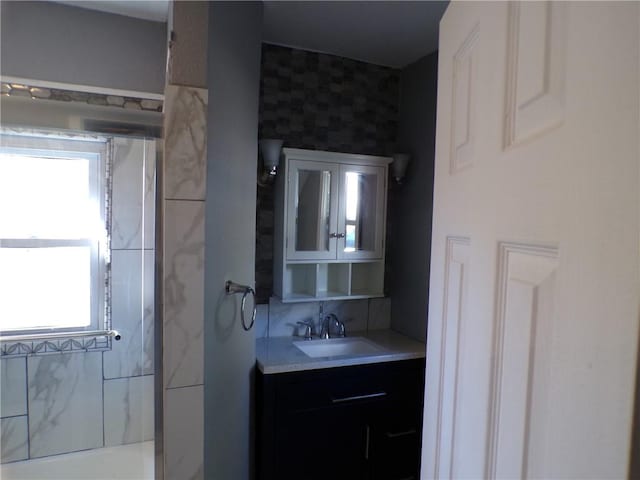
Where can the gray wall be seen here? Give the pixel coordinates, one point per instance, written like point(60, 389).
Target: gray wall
point(234, 80)
point(411, 204)
point(59, 43)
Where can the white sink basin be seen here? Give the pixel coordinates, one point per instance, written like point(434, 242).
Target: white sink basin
point(336, 347)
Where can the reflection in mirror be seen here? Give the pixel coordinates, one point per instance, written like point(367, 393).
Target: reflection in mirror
point(360, 211)
point(312, 210)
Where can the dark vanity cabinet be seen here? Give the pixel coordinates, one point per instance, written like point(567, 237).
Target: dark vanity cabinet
point(357, 422)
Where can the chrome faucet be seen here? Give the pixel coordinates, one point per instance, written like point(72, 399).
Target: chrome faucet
point(332, 327)
point(308, 330)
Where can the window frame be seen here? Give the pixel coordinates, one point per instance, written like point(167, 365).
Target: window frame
point(97, 151)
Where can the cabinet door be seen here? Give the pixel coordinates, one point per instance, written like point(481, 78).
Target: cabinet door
point(321, 444)
point(361, 212)
point(312, 203)
point(395, 442)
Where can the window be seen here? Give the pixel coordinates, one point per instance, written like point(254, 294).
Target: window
point(53, 235)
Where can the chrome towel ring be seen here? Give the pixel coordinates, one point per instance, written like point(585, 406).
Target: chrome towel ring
point(232, 288)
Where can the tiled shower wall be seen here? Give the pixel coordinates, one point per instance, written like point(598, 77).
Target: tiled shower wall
point(320, 102)
point(63, 402)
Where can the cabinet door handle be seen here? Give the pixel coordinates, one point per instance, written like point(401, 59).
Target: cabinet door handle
point(358, 397)
point(341, 235)
point(333, 235)
point(366, 446)
point(400, 434)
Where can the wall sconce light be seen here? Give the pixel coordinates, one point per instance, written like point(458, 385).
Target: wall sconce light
point(399, 166)
point(270, 149)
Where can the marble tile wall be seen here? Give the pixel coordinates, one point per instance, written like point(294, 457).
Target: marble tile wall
point(65, 403)
point(13, 410)
point(185, 143)
point(14, 441)
point(279, 319)
point(13, 387)
point(132, 396)
point(132, 312)
point(59, 403)
point(184, 433)
point(184, 293)
point(184, 191)
point(133, 200)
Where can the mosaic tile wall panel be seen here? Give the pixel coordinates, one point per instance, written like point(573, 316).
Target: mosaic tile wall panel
point(44, 93)
point(321, 102)
point(325, 102)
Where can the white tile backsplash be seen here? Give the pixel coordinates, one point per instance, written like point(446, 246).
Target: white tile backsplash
point(14, 443)
point(354, 313)
point(379, 314)
point(13, 387)
point(358, 315)
point(128, 410)
point(65, 403)
point(132, 305)
point(184, 433)
point(283, 317)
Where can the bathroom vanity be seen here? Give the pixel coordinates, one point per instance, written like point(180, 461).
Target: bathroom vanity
point(352, 416)
point(329, 226)
point(343, 408)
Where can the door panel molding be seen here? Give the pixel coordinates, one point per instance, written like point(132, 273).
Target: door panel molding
point(453, 326)
point(549, 199)
point(463, 103)
point(536, 58)
point(520, 375)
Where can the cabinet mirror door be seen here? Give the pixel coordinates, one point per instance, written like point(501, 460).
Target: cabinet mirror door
point(362, 210)
point(311, 211)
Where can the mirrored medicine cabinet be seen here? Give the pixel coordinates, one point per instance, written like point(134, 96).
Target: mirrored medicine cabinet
point(330, 213)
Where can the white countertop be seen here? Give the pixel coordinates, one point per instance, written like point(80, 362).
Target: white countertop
point(279, 354)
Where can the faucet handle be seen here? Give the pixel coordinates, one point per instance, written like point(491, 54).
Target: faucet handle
point(341, 329)
point(308, 330)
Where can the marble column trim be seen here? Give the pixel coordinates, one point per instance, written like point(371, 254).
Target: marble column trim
point(183, 202)
point(185, 143)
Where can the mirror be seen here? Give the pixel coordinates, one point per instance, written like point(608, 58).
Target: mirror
point(312, 210)
point(360, 211)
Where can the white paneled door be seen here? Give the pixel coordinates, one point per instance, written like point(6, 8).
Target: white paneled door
point(534, 297)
